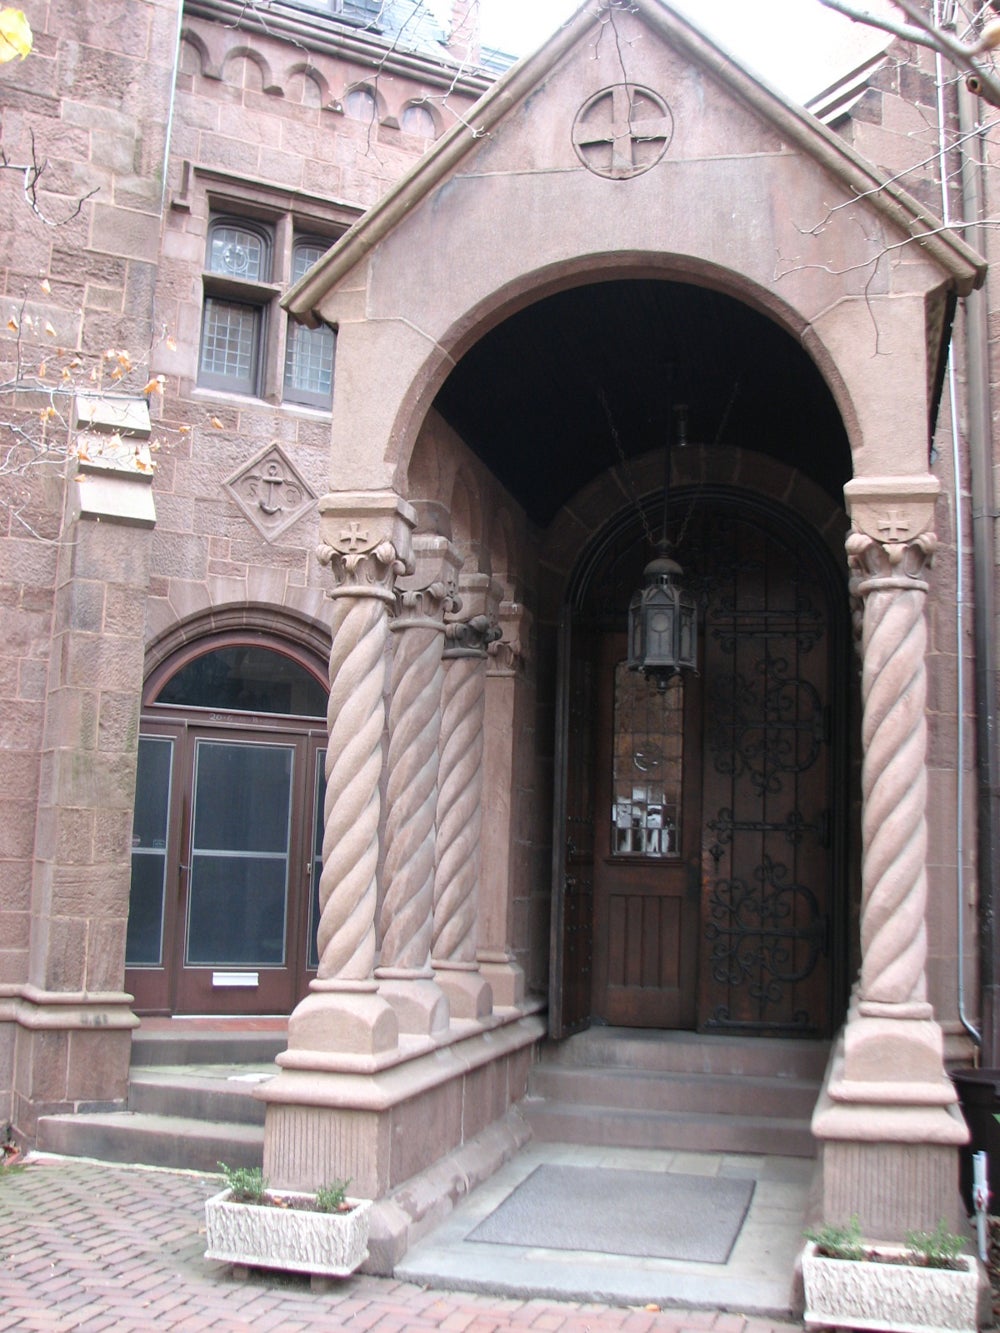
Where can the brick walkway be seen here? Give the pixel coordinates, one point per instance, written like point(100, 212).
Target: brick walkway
point(91, 1247)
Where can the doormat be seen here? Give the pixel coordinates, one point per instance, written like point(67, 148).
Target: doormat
point(652, 1214)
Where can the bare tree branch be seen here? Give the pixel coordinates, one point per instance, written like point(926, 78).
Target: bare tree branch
point(971, 59)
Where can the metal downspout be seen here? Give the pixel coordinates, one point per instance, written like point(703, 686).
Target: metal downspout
point(958, 511)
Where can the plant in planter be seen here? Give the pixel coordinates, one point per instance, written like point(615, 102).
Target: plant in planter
point(924, 1286)
point(247, 1224)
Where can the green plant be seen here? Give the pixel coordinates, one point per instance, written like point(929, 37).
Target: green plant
point(332, 1198)
point(838, 1242)
point(246, 1182)
point(939, 1248)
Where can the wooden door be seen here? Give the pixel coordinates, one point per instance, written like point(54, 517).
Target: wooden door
point(646, 900)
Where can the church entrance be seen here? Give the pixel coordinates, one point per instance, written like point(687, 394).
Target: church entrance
point(701, 883)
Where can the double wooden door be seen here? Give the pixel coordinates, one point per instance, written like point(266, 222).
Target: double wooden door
point(227, 839)
point(704, 826)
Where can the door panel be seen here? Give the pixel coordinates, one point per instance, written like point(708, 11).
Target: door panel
point(646, 867)
point(767, 793)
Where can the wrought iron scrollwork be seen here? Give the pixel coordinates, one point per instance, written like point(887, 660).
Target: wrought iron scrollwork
point(755, 932)
point(764, 728)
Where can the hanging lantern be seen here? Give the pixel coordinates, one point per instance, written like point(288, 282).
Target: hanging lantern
point(662, 623)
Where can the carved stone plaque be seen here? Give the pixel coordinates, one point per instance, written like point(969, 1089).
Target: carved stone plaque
point(270, 492)
point(622, 131)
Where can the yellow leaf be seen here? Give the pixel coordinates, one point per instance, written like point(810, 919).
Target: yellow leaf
point(49, 329)
point(13, 325)
point(217, 423)
point(183, 430)
point(45, 286)
point(42, 370)
point(172, 343)
point(15, 35)
point(155, 385)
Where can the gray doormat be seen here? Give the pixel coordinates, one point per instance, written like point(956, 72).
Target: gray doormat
point(649, 1213)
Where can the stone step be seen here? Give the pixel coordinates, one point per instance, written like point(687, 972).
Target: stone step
point(644, 1090)
point(690, 1052)
point(152, 1140)
point(612, 1127)
point(211, 1046)
point(202, 1092)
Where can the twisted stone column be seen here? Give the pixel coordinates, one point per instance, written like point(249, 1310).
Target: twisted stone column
point(406, 915)
point(459, 817)
point(887, 1110)
point(352, 806)
point(890, 580)
point(343, 1023)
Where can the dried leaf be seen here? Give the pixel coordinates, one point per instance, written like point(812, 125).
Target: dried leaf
point(155, 385)
point(42, 371)
point(15, 35)
point(13, 325)
point(172, 343)
point(49, 329)
point(214, 421)
point(183, 430)
point(46, 286)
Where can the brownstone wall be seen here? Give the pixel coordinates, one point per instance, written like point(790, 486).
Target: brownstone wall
point(77, 277)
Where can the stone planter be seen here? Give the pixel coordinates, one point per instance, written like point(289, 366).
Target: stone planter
point(894, 1298)
point(296, 1240)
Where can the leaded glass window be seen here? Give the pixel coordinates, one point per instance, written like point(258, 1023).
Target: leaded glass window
point(309, 353)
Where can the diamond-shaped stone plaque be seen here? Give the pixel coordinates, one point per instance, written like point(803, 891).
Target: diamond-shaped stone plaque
point(271, 492)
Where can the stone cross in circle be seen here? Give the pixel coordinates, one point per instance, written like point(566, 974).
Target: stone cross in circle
point(621, 127)
point(895, 525)
point(354, 538)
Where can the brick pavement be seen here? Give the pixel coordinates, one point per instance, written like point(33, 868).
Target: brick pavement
point(90, 1247)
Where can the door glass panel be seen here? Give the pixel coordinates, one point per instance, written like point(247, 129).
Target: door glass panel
point(647, 765)
point(316, 865)
point(239, 854)
point(144, 940)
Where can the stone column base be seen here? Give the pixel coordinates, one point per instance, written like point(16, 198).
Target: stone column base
point(341, 1026)
point(469, 993)
point(419, 1003)
point(889, 1147)
point(506, 979)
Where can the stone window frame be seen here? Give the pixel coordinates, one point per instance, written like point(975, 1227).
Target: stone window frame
point(289, 218)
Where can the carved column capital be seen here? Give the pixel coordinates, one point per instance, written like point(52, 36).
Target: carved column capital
point(365, 539)
point(877, 565)
point(892, 510)
point(509, 653)
point(470, 638)
point(428, 591)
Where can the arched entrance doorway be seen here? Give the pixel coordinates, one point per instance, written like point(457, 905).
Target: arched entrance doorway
point(227, 832)
point(700, 832)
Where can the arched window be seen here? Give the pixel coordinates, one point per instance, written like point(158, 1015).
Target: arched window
point(360, 104)
point(418, 119)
